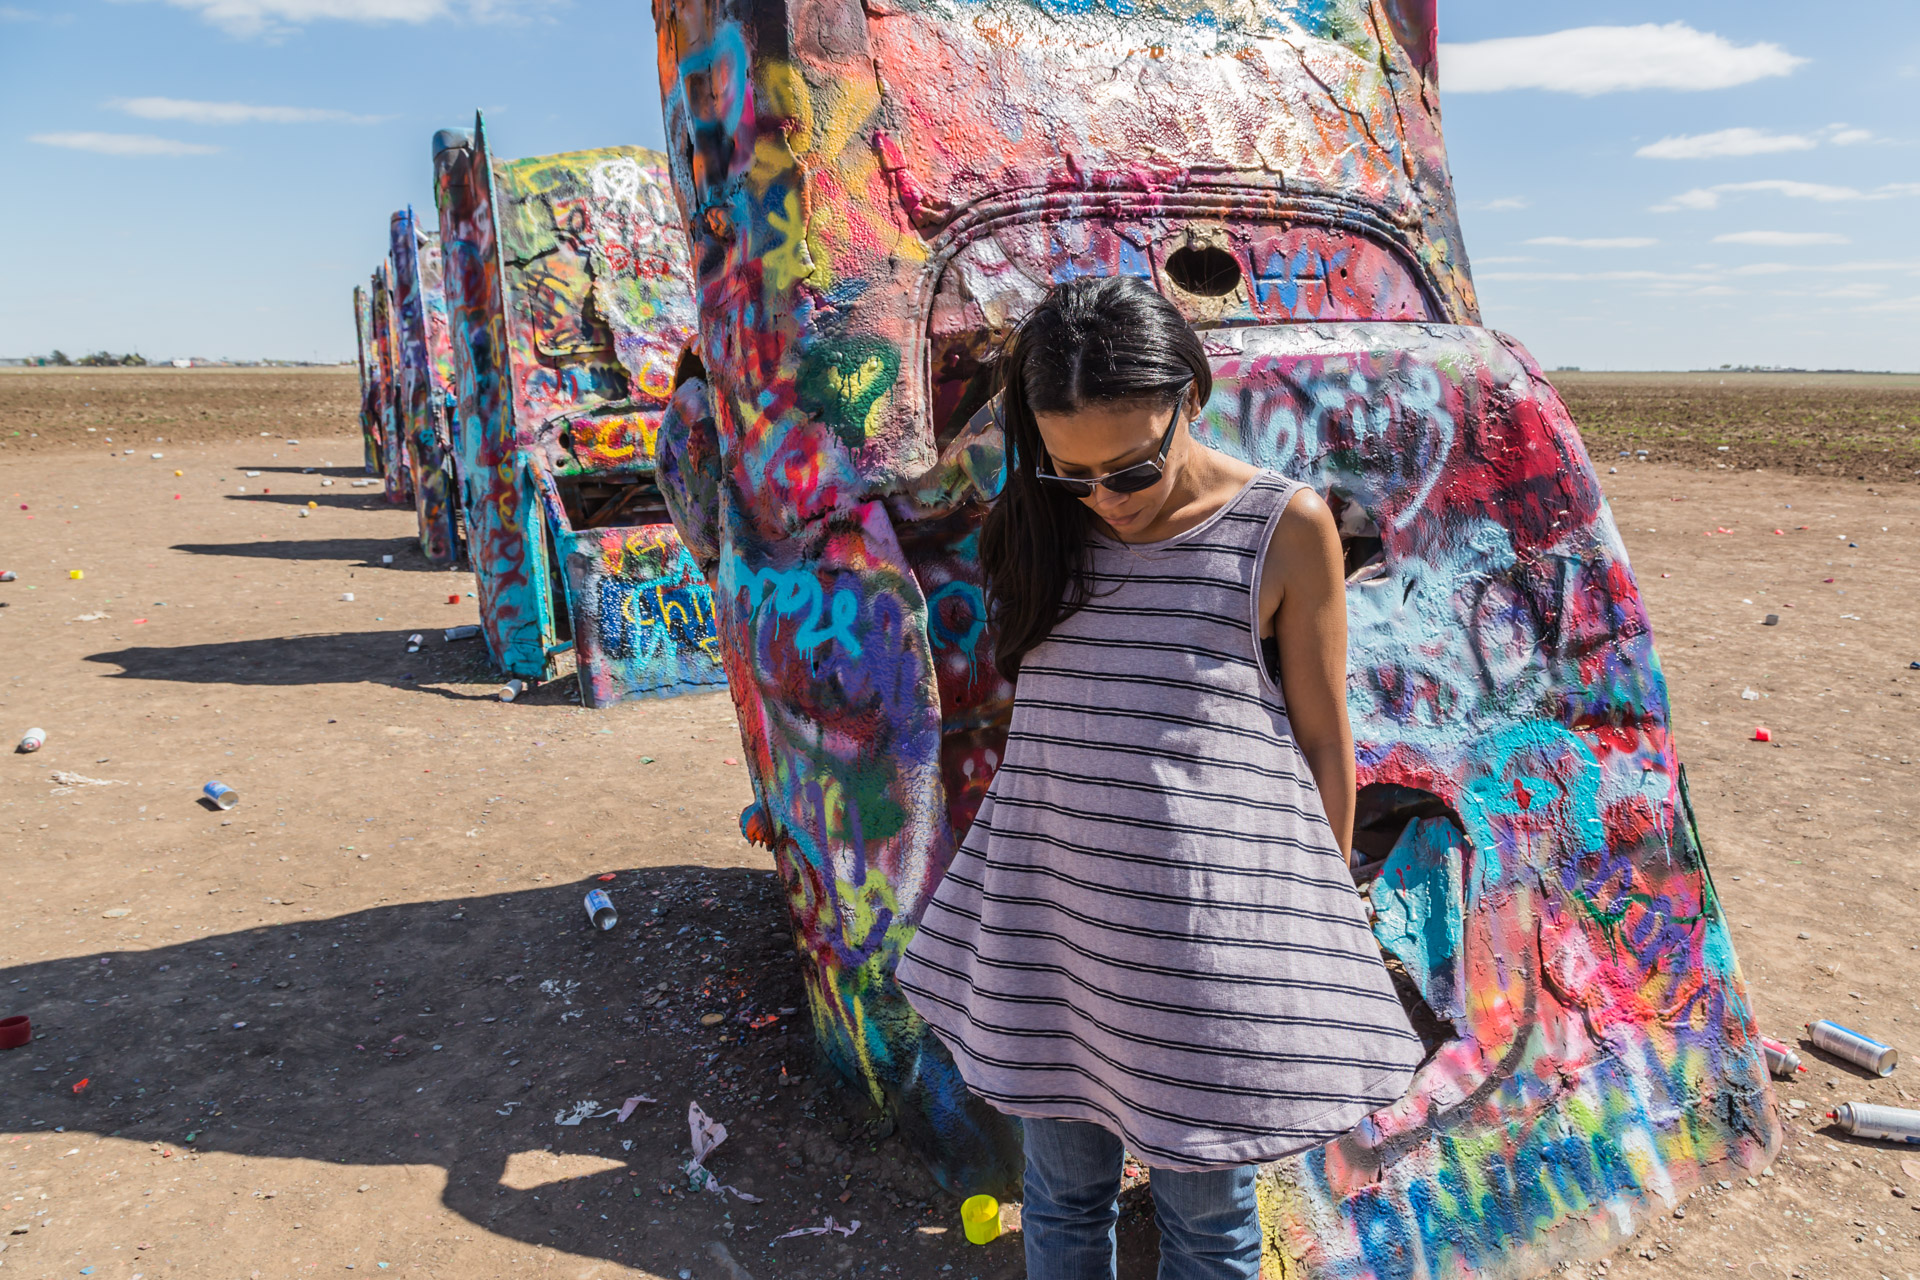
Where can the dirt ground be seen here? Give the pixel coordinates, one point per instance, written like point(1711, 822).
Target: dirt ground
point(333, 1028)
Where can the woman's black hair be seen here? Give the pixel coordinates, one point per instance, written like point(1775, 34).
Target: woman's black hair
point(1092, 340)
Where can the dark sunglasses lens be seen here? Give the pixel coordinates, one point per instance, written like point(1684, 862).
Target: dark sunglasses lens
point(1134, 479)
point(1078, 488)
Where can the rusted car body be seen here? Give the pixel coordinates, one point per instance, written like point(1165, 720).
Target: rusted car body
point(424, 395)
point(569, 303)
point(875, 192)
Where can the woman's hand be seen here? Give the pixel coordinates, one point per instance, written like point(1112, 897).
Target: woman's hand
point(1303, 592)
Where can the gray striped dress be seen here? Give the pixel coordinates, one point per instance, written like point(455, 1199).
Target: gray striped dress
point(1149, 925)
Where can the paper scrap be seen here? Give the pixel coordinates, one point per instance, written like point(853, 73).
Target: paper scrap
point(627, 1107)
point(822, 1229)
point(706, 1134)
point(586, 1109)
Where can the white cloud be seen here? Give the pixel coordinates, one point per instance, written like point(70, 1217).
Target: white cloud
point(1616, 242)
point(233, 112)
point(276, 17)
point(1725, 142)
point(1858, 289)
point(1780, 239)
point(1709, 197)
point(1842, 136)
point(1506, 259)
point(1592, 60)
point(1669, 277)
point(122, 144)
point(1507, 204)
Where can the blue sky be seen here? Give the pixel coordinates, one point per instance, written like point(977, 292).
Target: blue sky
point(211, 177)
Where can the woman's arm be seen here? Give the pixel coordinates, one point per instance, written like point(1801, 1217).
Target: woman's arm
point(1310, 619)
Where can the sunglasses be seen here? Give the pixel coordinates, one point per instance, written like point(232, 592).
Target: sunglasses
point(1141, 475)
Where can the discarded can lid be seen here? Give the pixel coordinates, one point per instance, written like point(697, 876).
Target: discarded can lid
point(414, 642)
point(1850, 1046)
point(981, 1217)
point(76, 574)
point(453, 599)
point(33, 740)
point(1762, 734)
point(466, 631)
point(512, 689)
point(221, 794)
point(1771, 620)
point(15, 1031)
point(386, 559)
point(600, 910)
point(347, 597)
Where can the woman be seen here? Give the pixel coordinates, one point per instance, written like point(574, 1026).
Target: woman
point(1150, 939)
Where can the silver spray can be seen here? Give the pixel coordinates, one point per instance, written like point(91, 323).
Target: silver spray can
point(414, 642)
point(600, 910)
point(1888, 1124)
point(466, 631)
point(32, 741)
point(1850, 1046)
point(1782, 1061)
point(512, 689)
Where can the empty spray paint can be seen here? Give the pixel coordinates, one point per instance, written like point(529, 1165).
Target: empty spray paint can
point(33, 740)
point(600, 910)
point(1889, 1124)
point(7, 575)
point(414, 642)
point(467, 632)
point(1782, 1061)
point(221, 794)
point(1850, 1046)
point(512, 689)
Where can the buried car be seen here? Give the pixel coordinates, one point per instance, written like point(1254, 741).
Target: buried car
point(874, 195)
point(569, 304)
point(424, 395)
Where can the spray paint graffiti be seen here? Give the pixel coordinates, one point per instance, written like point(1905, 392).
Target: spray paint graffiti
point(426, 381)
point(874, 195)
point(569, 304)
point(370, 443)
point(389, 411)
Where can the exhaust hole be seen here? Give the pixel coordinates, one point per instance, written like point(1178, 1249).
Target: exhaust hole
point(1204, 271)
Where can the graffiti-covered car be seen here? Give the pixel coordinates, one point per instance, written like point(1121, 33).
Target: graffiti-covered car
point(874, 195)
point(569, 303)
point(424, 394)
point(368, 361)
point(384, 374)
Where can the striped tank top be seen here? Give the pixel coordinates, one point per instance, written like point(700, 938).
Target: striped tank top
point(1149, 925)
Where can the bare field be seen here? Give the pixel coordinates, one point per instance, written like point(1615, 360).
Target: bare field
point(1852, 426)
point(336, 1025)
point(49, 410)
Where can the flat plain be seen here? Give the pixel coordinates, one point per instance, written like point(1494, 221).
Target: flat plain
point(336, 1025)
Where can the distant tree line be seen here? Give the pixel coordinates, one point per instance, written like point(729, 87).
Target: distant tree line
point(98, 360)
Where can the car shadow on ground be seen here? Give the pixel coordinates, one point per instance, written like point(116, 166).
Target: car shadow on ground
point(351, 473)
point(360, 553)
point(365, 500)
point(459, 1032)
point(341, 657)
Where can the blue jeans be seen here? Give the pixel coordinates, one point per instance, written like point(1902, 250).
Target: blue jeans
point(1209, 1222)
